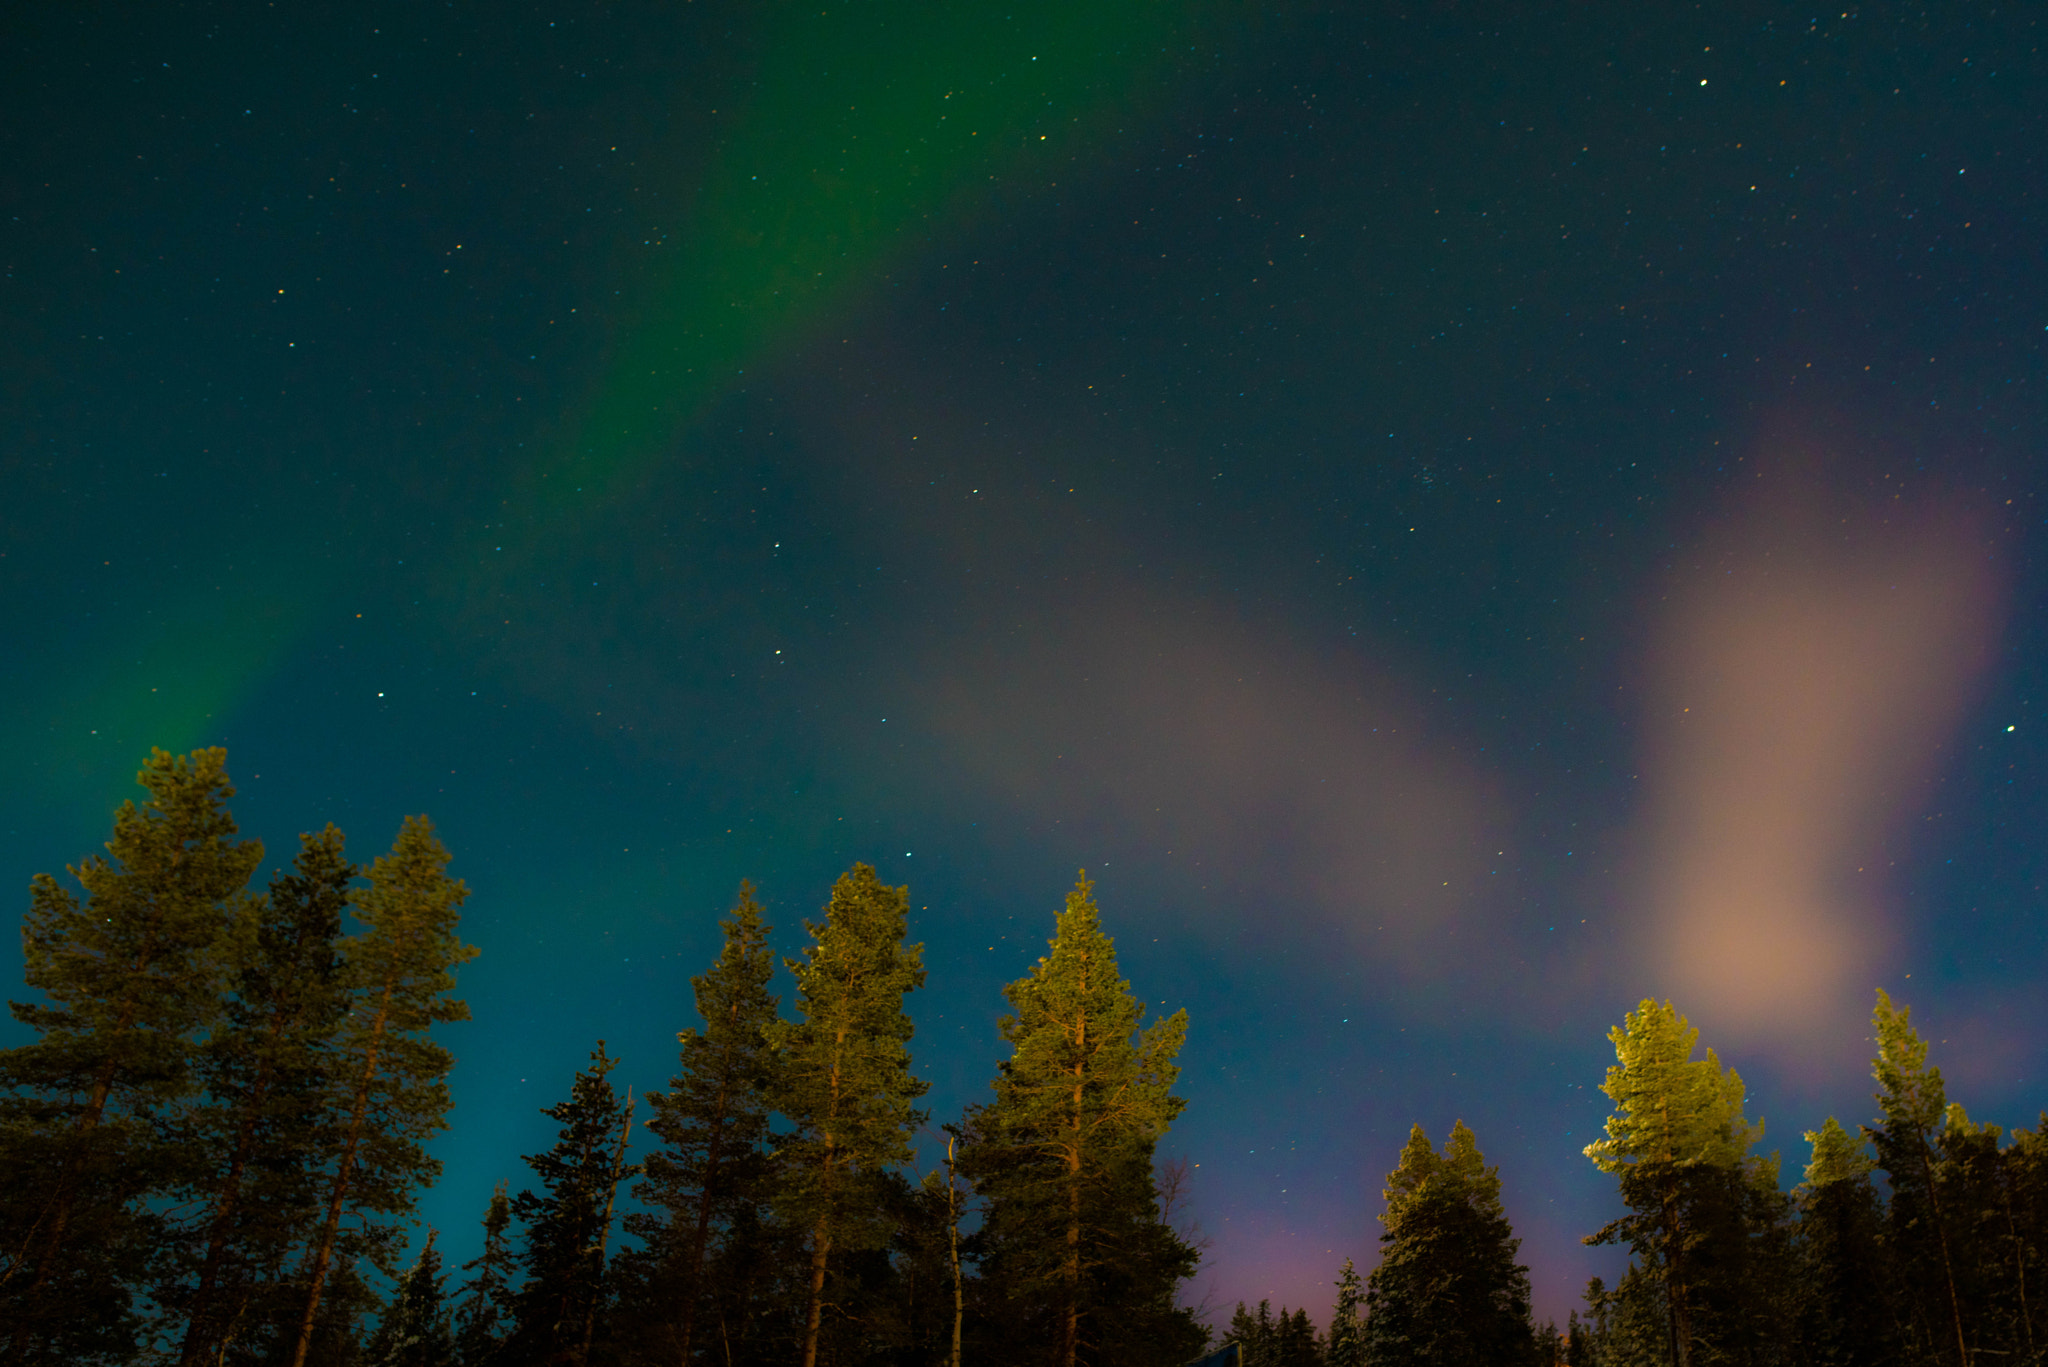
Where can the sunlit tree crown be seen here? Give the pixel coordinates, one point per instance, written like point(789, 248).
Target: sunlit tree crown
point(1669, 1106)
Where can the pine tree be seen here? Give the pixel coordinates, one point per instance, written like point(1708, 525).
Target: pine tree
point(843, 1074)
point(1448, 1289)
point(485, 1317)
point(713, 1126)
point(1845, 1274)
point(568, 1222)
point(1064, 1155)
point(1678, 1142)
point(132, 975)
point(415, 1328)
point(267, 1079)
point(1914, 1103)
point(1347, 1325)
point(390, 1079)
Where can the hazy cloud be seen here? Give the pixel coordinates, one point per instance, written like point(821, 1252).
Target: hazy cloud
point(1811, 663)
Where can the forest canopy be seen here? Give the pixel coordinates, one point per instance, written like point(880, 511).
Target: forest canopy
point(212, 1150)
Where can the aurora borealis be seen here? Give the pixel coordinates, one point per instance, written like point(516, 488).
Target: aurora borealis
point(1460, 517)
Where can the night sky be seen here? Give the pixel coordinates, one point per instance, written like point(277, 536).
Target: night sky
point(1460, 517)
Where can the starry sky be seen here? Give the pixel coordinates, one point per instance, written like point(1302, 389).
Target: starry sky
point(1460, 516)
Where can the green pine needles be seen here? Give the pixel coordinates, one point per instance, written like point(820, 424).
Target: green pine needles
point(211, 1147)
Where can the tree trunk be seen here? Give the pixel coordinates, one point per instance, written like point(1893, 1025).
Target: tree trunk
point(343, 1172)
point(953, 1241)
point(604, 1232)
point(713, 1159)
point(1955, 1304)
point(814, 1314)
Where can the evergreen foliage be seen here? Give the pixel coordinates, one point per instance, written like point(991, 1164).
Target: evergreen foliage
point(568, 1223)
point(843, 1076)
point(132, 974)
point(1913, 1107)
point(1345, 1346)
point(1847, 1312)
point(1265, 1339)
point(390, 1079)
point(1064, 1157)
point(712, 1168)
point(267, 1075)
point(415, 1330)
point(1448, 1289)
point(485, 1317)
point(1707, 1221)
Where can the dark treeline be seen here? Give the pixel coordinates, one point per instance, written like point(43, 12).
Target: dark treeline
point(1918, 1242)
point(212, 1149)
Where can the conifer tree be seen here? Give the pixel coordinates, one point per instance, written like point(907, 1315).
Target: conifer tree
point(267, 1078)
point(484, 1318)
point(1064, 1154)
point(843, 1075)
point(713, 1125)
point(132, 973)
point(414, 1332)
point(1265, 1339)
point(1846, 1315)
point(1913, 1105)
point(568, 1222)
point(1447, 1290)
point(390, 1087)
point(1677, 1143)
point(1347, 1325)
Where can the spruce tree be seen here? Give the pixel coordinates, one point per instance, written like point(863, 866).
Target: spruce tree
point(712, 1165)
point(131, 974)
point(1347, 1325)
point(1913, 1105)
point(1678, 1144)
point(1848, 1291)
point(1448, 1290)
point(485, 1316)
point(568, 1222)
point(414, 1332)
point(389, 1089)
point(843, 1075)
point(268, 1084)
point(1064, 1154)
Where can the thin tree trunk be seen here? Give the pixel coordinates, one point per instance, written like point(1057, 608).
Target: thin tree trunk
point(194, 1350)
point(713, 1160)
point(821, 1238)
point(1955, 1304)
point(67, 1184)
point(343, 1172)
point(814, 1315)
point(604, 1231)
point(197, 1328)
point(953, 1240)
point(1070, 1321)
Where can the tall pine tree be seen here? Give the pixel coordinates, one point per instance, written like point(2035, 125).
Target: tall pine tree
point(568, 1223)
point(1064, 1156)
point(1678, 1143)
point(1913, 1105)
point(1346, 1343)
point(1448, 1291)
point(390, 1088)
point(843, 1075)
point(267, 1079)
point(484, 1318)
point(712, 1166)
point(131, 974)
point(1849, 1295)
point(415, 1332)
